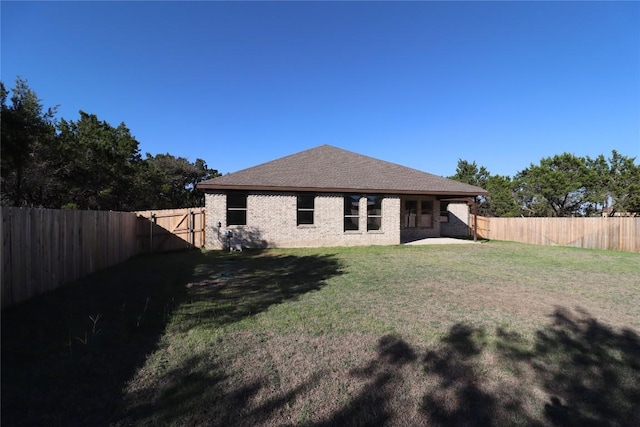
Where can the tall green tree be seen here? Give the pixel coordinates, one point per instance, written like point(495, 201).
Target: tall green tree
point(102, 163)
point(560, 185)
point(500, 201)
point(170, 182)
point(470, 173)
point(616, 184)
point(28, 137)
point(87, 163)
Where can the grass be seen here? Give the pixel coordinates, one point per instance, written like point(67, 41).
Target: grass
point(489, 334)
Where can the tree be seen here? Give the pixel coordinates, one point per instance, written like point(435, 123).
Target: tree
point(500, 201)
point(27, 132)
point(469, 173)
point(563, 185)
point(167, 181)
point(102, 163)
point(86, 164)
point(616, 183)
point(560, 185)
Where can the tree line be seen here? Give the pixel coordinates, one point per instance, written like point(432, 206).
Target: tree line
point(90, 164)
point(86, 163)
point(560, 186)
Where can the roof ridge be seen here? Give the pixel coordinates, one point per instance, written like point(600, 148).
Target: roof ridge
point(286, 157)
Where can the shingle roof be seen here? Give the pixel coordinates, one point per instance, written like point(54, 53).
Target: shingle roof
point(330, 169)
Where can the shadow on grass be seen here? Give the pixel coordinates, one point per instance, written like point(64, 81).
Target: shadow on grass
point(372, 407)
point(589, 373)
point(459, 399)
point(193, 395)
point(68, 355)
point(247, 283)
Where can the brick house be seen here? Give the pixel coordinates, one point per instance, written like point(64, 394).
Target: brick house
point(327, 196)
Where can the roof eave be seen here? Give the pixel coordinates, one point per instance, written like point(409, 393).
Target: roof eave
point(227, 187)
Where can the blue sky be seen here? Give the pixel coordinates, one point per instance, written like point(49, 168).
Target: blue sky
point(418, 83)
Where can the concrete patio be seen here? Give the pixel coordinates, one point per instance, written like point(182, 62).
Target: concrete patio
point(440, 241)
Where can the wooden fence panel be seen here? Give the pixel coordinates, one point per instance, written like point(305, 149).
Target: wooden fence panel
point(6, 265)
point(43, 249)
point(613, 233)
point(172, 229)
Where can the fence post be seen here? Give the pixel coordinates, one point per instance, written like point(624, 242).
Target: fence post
point(475, 220)
point(202, 228)
point(190, 228)
point(192, 218)
point(152, 220)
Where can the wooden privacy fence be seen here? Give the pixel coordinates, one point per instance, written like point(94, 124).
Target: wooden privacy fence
point(43, 249)
point(171, 229)
point(616, 233)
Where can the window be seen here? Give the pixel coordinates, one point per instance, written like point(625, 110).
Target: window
point(426, 213)
point(351, 212)
point(410, 213)
point(374, 213)
point(237, 209)
point(306, 204)
point(418, 213)
point(444, 212)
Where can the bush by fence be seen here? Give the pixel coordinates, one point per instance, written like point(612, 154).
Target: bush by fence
point(43, 249)
point(615, 233)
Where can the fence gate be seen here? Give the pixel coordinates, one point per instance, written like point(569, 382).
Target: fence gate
point(171, 229)
point(481, 225)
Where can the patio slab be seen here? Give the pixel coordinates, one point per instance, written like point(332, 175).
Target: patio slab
point(440, 241)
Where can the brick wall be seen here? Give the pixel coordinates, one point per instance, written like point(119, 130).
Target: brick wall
point(272, 222)
point(458, 225)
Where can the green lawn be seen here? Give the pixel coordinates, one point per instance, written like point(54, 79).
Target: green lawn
point(486, 334)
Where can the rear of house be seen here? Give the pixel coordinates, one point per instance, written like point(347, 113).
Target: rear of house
point(327, 196)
